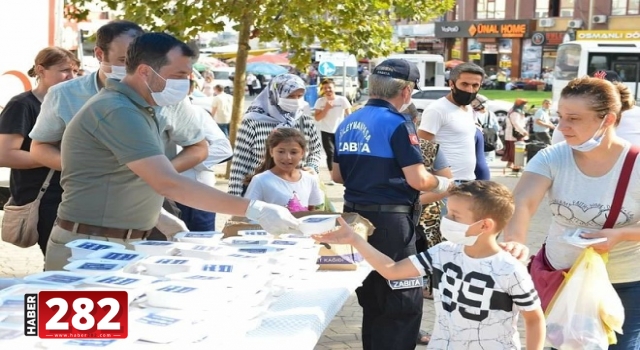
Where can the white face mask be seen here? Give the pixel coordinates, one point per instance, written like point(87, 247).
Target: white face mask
point(591, 143)
point(117, 72)
point(291, 105)
point(175, 90)
point(405, 106)
point(456, 232)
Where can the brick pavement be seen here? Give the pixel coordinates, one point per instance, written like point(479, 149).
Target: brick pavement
point(344, 330)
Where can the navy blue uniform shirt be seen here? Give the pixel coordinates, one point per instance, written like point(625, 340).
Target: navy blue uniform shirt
point(373, 144)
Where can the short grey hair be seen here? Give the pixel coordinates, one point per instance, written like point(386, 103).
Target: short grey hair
point(467, 67)
point(385, 87)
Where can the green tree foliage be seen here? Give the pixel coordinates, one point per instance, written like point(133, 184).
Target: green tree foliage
point(360, 27)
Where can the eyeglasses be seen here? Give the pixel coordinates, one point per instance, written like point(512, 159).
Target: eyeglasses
point(478, 107)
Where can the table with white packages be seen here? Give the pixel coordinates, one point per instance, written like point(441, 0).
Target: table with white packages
point(294, 315)
point(297, 319)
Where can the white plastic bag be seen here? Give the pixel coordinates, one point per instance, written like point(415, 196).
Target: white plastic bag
point(586, 310)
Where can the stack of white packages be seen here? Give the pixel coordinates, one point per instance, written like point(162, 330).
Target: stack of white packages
point(200, 290)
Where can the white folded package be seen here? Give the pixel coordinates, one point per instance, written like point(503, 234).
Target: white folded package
point(316, 224)
point(573, 237)
point(216, 288)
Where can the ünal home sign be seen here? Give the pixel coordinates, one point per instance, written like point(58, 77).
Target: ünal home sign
point(507, 30)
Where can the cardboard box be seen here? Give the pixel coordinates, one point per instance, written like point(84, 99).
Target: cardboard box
point(342, 257)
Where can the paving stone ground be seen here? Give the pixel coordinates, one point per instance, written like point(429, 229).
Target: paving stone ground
point(344, 330)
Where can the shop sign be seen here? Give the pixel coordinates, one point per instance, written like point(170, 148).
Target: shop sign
point(484, 29)
point(608, 35)
point(547, 38)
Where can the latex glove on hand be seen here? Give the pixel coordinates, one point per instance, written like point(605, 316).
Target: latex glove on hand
point(443, 184)
point(169, 224)
point(273, 218)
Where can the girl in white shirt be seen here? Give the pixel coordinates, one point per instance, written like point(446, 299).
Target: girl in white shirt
point(279, 179)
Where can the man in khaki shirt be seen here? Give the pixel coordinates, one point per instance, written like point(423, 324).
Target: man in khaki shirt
point(114, 171)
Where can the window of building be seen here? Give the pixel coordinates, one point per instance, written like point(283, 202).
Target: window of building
point(542, 9)
point(490, 9)
point(625, 7)
point(556, 8)
point(456, 13)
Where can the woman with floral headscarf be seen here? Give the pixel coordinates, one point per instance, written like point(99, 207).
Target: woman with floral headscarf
point(515, 130)
point(279, 105)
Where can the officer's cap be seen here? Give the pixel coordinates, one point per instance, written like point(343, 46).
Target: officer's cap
point(399, 69)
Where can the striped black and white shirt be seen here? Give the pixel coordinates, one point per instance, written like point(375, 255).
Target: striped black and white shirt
point(251, 144)
point(477, 301)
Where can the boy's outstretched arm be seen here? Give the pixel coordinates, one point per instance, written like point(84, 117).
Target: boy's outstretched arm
point(385, 266)
point(535, 328)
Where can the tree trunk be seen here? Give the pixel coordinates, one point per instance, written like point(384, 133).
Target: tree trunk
point(239, 80)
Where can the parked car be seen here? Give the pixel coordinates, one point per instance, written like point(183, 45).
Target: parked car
point(224, 76)
point(422, 98)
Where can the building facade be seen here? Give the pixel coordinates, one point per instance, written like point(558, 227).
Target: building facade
point(522, 36)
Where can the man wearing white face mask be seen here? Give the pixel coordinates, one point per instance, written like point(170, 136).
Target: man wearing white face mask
point(114, 169)
point(63, 102)
point(179, 124)
point(479, 289)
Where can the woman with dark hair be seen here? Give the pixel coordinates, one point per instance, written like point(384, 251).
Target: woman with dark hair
point(515, 130)
point(53, 65)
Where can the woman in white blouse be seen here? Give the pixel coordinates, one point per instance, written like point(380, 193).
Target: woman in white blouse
point(579, 178)
point(515, 122)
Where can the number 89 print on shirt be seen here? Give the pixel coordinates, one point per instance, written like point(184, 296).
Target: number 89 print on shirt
point(477, 301)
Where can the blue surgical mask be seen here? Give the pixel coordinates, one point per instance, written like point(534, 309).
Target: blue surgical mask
point(591, 143)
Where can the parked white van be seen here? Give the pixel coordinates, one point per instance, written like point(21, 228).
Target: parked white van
point(222, 75)
point(431, 68)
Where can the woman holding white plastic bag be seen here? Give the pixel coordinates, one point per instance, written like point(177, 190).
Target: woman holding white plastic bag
point(580, 177)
